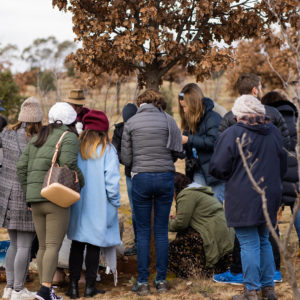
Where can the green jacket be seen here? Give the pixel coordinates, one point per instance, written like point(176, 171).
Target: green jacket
point(197, 208)
point(35, 162)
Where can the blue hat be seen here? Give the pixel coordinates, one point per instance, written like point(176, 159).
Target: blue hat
point(1, 108)
point(128, 111)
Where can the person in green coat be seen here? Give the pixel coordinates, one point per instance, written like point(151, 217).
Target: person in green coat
point(203, 244)
point(50, 221)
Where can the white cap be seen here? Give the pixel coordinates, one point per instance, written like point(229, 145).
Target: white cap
point(63, 112)
point(247, 104)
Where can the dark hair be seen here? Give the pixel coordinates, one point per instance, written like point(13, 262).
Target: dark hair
point(3, 123)
point(271, 97)
point(153, 97)
point(181, 181)
point(246, 82)
point(47, 130)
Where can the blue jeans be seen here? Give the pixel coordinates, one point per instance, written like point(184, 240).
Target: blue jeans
point(218, 188)
point(129, 192)
point(156, 188)
point(257, 256)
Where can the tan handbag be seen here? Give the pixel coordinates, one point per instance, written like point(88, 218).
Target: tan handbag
point(61, 185)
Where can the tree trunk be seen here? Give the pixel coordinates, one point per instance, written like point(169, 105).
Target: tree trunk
point(118, 92)
point(152, 79)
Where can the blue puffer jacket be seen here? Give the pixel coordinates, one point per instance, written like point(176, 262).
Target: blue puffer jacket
point(243, 205)
point(203, 140)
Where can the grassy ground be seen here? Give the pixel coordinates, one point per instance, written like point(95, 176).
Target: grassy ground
point(194, 288)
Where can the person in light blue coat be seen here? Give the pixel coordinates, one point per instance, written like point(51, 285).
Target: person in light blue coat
point(94, 218)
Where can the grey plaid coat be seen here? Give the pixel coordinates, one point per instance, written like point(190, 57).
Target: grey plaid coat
point(14, 213)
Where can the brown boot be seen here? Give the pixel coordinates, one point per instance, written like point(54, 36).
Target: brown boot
point(268, 293)
point(247, 295)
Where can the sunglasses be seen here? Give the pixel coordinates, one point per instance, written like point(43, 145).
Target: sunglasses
point(180, 96)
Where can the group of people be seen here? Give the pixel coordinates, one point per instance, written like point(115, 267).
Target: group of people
point(210, 239)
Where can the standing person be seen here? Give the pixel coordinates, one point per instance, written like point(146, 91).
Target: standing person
point(200, 130)
point(50, 221)
point(150, 139)
point(77, 100)
point(290, 179)
point(15, 215)
point(250, 84)
point(94, 218)
point(128, 111)
point(243, 205)
point(203, 243)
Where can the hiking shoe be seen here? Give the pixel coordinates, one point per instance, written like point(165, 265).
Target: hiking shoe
point(131, 251)
point(23, 294)
point(161, 286)
point(7, 293)
point(228, 277)
point(268, 293)
point(277, 276)
point(247, 295)
point(142, 289)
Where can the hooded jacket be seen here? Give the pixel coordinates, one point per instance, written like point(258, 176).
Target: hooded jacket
point(243, 205)
point(290, 179)
point(276, 118)
point(203, 140)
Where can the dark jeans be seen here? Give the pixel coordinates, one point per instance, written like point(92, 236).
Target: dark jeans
point(156, 188)
point(91, 261)
point(129, 192)
point(236, 266)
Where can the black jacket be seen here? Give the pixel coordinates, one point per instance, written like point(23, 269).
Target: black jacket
point(243, 205)
point(203, 140)
point(276, 118)
point(290, 179)
point(116, 141)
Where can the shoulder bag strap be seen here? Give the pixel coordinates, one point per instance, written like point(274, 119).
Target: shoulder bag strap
point(55, 155)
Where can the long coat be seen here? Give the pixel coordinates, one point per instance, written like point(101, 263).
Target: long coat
point(94, 218)
point(14, 213)
point(243, 205)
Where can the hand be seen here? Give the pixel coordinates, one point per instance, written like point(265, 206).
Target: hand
point(185, 139)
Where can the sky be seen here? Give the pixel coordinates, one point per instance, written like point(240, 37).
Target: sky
point(23, 21)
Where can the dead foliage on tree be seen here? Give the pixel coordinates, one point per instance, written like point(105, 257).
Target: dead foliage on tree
point(151, 37)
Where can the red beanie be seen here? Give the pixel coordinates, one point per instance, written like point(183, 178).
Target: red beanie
point(95, 120)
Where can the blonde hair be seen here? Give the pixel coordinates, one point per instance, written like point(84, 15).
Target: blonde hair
point(90, 140)
point(193, 97)
point(31, 129)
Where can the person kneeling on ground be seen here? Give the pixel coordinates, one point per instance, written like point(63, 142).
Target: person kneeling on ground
point(243, 205)
point(203, 243)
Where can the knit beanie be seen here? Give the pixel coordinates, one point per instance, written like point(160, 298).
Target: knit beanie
point(31, 111)
point(128, 111)
point(62, 112)
point(247, 104)
point(95, 120)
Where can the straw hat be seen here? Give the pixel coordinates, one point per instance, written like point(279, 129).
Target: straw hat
point(76, 97)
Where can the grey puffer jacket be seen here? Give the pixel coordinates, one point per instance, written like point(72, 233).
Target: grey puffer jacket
point(144, 141)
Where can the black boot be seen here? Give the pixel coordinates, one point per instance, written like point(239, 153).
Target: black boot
point(91, 290)
point(73, 289)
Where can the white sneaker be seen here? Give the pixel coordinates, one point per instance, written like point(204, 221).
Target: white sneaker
point(23, 294)
point(7, 293)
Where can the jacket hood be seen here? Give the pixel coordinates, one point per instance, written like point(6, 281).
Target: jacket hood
point(286, 106)
point(208, 104)
point(263, 129)
point(118, 125)
point(204, 189)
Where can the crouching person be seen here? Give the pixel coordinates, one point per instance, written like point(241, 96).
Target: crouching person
point(243, 205)
point(94, 218)
point(203, 243)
